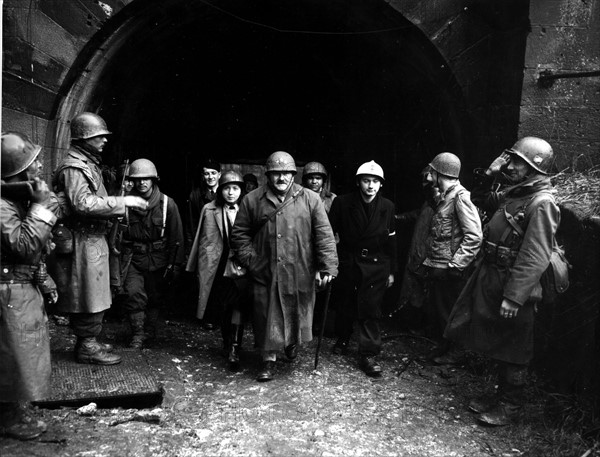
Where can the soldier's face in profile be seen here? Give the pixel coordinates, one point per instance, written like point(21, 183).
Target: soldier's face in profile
point(369, 185)
point(97, 142)
point(34, 170)
point(315, 182)
point(280, 180)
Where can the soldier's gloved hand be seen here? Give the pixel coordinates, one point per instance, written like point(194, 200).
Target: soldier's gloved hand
point(498, 164)
point(132, 201)
point(40, 193)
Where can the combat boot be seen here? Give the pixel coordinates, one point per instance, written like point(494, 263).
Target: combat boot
point(90, 351)
point(105, 346)
point(237, 333)
point(510, 402)
point(19, 423)
point(502, 414)
point(138, 335)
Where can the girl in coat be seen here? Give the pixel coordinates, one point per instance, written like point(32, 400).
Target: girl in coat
point(210, 255)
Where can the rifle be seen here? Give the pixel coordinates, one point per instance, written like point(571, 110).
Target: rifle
point(118, 224)
point(170, 270)
point(20, 191)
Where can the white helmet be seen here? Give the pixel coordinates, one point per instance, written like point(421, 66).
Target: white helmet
point(370, 168)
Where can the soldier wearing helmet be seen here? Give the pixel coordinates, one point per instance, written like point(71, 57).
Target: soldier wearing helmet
point(220, 296)
point(494, 314)
point(152, 251)
point(26, 222)
point(283, 237)
point(315, 178)
point(82, 272)
point(453, 241)
point(365, 224)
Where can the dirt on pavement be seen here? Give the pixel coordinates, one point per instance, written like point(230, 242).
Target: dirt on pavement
point(414, 409)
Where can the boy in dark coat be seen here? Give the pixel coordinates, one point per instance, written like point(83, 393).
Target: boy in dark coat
point(365, 224)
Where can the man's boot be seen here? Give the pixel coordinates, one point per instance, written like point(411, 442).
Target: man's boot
point(236, 335)
point(138, 336)
point(19, 423)
point(90, 351)
point(511, 396)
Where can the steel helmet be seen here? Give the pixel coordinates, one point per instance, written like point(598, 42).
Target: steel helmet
point(281, 161)
point(142, 168)
point(371, 168)
point(314, 168)
point(446, 164)
point(88, 125)
point(535, 151)
point(230, 177)
point(18, 152)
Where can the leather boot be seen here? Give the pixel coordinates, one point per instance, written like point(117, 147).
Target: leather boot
point(236, 335)
point(502, 414)
point(136, 320)
point(483, 403)
point(105, 346)
point(510, 403)
point(90, 351)
point(266, 371)
point(19, 423)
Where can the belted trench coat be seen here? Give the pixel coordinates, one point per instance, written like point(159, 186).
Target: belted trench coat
point(83, 277)
point(282, 256)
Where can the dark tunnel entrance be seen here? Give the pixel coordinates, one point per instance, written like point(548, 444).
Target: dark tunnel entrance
point(342, 84)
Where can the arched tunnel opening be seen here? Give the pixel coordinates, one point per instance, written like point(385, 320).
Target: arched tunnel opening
point(340, 84)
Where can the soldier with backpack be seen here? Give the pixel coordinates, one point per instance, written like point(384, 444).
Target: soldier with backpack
point(494, 314)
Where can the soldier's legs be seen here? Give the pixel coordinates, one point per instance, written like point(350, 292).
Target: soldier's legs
point(87, 327)
point(135, 305)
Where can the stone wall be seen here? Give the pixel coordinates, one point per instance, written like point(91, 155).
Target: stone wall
point(564, 39)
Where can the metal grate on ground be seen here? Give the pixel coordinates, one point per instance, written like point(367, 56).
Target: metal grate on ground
point(77, 383)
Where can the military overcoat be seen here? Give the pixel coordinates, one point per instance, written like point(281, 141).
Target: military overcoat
point(282, 256)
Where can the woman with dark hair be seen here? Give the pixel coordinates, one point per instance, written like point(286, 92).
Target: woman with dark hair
point(221, 295)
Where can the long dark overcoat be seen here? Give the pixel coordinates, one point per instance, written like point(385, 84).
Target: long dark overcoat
point(366, 251)
point(282, 257)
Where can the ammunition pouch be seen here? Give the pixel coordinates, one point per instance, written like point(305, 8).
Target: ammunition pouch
point(501, 256)
point(62, 237)
point(140, 247)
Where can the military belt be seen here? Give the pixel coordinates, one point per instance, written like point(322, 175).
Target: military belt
point(144, 247)
point(499, 255)
point(17, 274)
point(92, 226)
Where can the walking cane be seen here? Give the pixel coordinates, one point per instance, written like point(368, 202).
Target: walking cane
point(322, 329)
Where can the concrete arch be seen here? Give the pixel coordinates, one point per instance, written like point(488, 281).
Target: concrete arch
point(383, 90)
